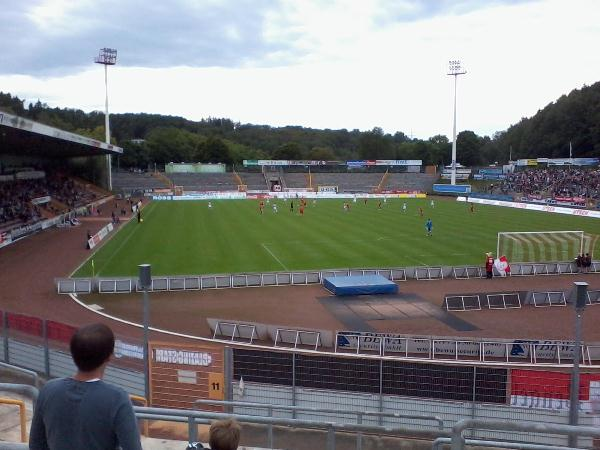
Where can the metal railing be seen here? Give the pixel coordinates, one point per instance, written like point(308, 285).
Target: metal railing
point(439, 442)
point(458, 440)
point(294, 409)
point(35, 379)
point(243, 280)
point(194, 417)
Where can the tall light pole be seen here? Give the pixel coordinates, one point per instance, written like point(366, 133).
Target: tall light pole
point(455, 69)
point(145, 282)
point(580, 301)
point(107, 57)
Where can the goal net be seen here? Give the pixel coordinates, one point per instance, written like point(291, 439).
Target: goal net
point(544, 246)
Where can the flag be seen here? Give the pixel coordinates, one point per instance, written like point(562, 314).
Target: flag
point(502, 266)
point(241, 387)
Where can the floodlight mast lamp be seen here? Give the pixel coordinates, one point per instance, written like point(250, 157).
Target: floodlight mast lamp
point(107, 57)
point(455, 69)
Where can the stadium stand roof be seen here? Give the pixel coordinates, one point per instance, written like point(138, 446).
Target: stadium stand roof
point(20, 136)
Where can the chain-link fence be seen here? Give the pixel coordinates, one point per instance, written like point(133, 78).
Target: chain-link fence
point(449, 391)
point(43, 346)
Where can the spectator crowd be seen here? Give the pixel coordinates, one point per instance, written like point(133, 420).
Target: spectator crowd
point(554, 182)
point(16, 195)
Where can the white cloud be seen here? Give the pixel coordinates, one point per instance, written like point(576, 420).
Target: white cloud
point(341, 65)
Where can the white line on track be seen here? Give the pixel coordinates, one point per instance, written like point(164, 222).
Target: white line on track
point(275, 257)
point(122, 244)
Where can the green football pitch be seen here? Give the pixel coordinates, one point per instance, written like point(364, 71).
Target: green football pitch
point(188, 238)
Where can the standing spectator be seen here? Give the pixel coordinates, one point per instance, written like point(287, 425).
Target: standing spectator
point(84, 412)
point(489, 265)
point(587, 262)
point(579, 263)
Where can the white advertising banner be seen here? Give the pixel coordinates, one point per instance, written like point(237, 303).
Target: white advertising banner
point(532, 207)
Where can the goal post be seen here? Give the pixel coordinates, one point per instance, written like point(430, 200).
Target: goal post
point(544, 246)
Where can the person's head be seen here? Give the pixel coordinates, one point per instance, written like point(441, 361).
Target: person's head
point(92, 346)
point(224, 435)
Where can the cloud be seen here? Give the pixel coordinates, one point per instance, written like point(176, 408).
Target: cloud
point(325, 64)
point(57, 37)
point(50, 37)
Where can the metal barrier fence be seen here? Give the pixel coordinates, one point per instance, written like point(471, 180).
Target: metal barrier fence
point(384, 386)
point(42, 347)
point(225, 281)
point(371, 383)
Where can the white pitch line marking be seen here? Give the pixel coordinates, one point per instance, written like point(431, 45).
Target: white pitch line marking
point(275, 257)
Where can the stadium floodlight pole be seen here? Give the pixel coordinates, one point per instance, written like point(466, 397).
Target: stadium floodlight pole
point(107, 57)
point(455, 69)
point(145, 281)
point(580, 301)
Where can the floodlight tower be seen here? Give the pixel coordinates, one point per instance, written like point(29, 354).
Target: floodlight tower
point(455, 69)
point(107, 57)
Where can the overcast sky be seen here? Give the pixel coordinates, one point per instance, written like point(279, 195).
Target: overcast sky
point(316, 63)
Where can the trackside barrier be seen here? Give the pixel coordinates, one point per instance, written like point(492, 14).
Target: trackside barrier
point(195, 282)
point(297, 337)
point(548, 298)
point(515, 352)
point(566, 268)
point(338, 412)
point(593, 297)
point(429, 273)
point(503, 300)
point(464, 273)
point(458, 440)
point(114, 286)
point(462, 302)
point(74, 286)
point(470, 302)
point(193, 417)
point(234, 330)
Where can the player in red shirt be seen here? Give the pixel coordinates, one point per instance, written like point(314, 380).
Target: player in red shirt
point(489, 265)
point(301, 209)
point(261, 206)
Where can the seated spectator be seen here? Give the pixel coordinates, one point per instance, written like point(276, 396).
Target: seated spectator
point(223, 435)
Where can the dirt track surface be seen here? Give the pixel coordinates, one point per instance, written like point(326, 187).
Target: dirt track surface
point(28, 269)
point(302, 307)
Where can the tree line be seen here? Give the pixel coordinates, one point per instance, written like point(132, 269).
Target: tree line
point(574, 117)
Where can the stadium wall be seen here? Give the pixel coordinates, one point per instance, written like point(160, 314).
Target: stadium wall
point(183, 373)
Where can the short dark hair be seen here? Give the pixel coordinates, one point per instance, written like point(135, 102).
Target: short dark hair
point(224, 435)
point(91, 346)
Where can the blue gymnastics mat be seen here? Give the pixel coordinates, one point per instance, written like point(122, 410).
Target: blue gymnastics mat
point(360, 285)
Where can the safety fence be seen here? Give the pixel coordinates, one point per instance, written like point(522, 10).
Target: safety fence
point(448, 393)
point(43, 346)
point(511, 299)
point(371, 383)
point(113, 285)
